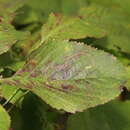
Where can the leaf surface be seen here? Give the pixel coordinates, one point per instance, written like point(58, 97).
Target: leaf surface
point(4, 119)
point(9, 36)
point(64, 27)
point(70, 76)
point(11, 93)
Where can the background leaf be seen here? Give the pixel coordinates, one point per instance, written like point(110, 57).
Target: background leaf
point(11, 93)
point(38, 10)
point(8, 8)
point(63, 27)
point(114, 21)
point(9, 36)
point(113, 115)
point(4, 119)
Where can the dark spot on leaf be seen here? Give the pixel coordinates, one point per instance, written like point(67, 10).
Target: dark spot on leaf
point(78, 81)
point(32, 64)
point(28, 67)
point(29, 86)
point(81, 17)
point(10, 82)
point(58, 16)
point(67, 87)
point(47, 85)
point(54, 88)
point(75, 56)
point(34, 74)
point(48, 62)
point(50, 28)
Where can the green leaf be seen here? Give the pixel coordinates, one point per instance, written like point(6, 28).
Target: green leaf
point(117, 33)
point(71, 7)
point(111, 116)
point(11, 93)
point(127, 84)
point(9, 36)
point(17, 121)
point(27, 15)
point(4, 119)
point(38, 10)
point(125, 5)
point(7, 60)
point(8, 8)
point(70, 76)
point(63, 27)
point(38, 111)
